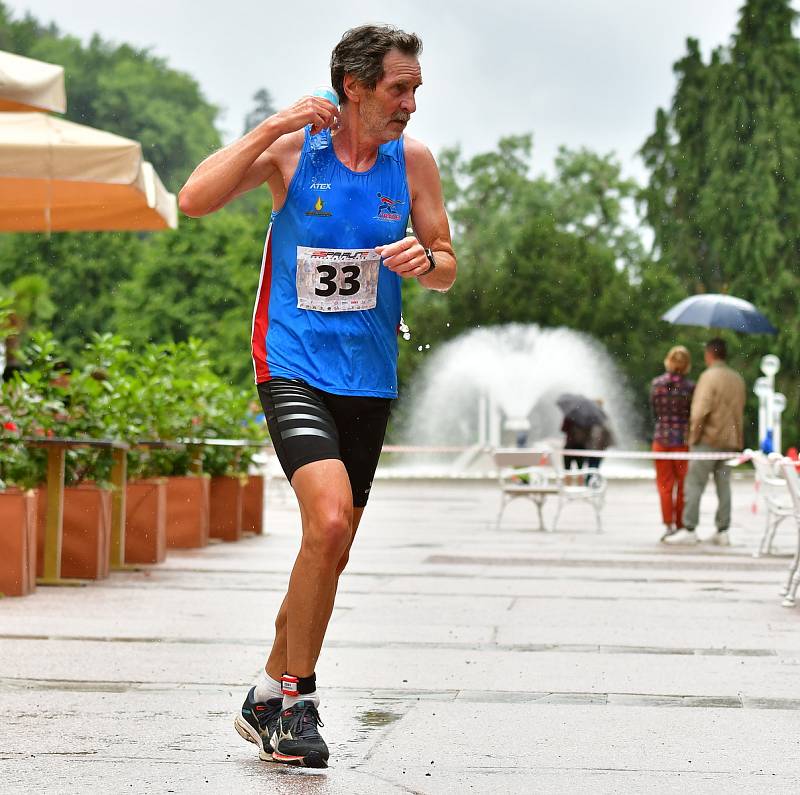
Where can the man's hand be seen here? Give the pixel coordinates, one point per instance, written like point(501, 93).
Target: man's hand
point(320, 113)
point(406, 257)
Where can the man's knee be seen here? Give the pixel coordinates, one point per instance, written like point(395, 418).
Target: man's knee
point(328, 535)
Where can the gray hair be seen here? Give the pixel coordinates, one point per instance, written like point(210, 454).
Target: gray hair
point(361, 52)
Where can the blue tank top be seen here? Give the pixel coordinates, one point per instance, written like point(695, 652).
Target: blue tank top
point(328, 206)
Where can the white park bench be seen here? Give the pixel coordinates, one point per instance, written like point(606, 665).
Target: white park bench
point(789, 591)
point(537, 473)
point(774, 496)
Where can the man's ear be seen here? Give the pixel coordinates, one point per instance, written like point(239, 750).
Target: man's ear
point(353, 89)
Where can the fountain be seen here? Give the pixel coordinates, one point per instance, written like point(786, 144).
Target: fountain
point(497, 387)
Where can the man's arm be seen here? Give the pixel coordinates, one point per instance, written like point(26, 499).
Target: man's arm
point(407, 257)
point(250, 161)
point(702, 405)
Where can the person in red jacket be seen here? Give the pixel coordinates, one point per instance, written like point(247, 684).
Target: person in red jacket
point(671, 402)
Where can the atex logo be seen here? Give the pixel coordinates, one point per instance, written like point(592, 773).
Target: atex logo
point(319, 209)
point(320, 186)
point(342, 256)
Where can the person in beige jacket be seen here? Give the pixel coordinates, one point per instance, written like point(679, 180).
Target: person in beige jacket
point(715, 424)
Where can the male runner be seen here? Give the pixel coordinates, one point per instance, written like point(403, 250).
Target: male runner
point(344, 183)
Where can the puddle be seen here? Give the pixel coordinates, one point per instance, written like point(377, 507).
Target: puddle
point(375, 718)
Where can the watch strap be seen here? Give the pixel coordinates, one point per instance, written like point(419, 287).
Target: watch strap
point(431, 262)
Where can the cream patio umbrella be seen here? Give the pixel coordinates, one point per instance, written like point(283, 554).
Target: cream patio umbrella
point(26, 84)
point(58, 176)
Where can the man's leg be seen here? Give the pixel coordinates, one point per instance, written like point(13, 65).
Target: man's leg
point(277, 663)
point(329, 445)
point(326, 508)
point(696, 479)
point(722, 480)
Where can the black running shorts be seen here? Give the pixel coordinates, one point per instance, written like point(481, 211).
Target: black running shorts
point(307, 424)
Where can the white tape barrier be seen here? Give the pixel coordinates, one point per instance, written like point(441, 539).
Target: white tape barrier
point(408, 448)
point(738, 458)
point(647, 455)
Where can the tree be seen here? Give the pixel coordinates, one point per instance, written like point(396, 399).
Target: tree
point(83, 272)
point(264, 108)
point(199, 281)
point(724, 193)
point(553, 252)
point(127, 91)
point(30, 300)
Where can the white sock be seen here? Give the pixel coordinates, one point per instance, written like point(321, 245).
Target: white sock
point(266, 687)
point(290, 701)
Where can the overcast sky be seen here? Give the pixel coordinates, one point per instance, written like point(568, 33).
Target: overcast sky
point(576, 72)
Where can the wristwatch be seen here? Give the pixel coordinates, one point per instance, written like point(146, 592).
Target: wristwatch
point(431, 260)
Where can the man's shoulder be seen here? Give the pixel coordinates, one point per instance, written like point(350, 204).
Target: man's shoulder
point(727, 371)
point(285, 153)
point(706, 376)
point(738, 378)
point(721, 374)
point(415, 151)
point(290, 143)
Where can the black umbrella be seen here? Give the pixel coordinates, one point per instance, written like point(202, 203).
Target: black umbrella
point(581, 410)
point(712, 310)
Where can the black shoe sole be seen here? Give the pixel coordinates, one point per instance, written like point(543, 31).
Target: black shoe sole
point(311, 759)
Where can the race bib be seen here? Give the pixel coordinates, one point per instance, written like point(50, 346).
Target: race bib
point(337, 279)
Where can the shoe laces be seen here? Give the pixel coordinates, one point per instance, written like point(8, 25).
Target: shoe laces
point(266, 716)
point(305, 721)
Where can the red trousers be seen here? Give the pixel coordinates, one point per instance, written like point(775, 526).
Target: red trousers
point(670, 475)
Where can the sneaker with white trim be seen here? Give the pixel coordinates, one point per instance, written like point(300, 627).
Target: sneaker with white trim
point(256, 722)
point(296, 740)
point(682, 535)
point(669, 530)
point(721, 538)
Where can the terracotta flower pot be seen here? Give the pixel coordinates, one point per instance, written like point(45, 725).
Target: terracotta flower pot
point(187, 512)
point(146, 521)
point(17, 542)
point(253, 505)
point(86, 540)
point(226, 507)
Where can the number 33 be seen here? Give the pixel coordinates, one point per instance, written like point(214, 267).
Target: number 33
point(327, 280)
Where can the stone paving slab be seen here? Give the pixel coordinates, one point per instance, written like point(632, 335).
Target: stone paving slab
point(459, 659)
point(692, 750)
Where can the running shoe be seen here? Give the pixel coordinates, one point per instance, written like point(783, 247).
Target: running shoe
point(296, 740)
point(669, 530)
point(721, 538)
point(257, 721)
point(682, 535)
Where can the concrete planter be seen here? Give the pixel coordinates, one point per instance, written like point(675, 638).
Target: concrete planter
point(253, 505)
point(17, 542)
point(86, 540)
point(146, 521)
point(187, 512)
point(226, 507)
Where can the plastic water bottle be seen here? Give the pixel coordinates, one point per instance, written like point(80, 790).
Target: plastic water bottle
point(326, 92)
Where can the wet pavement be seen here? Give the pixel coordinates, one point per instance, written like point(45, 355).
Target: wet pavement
point(459, 658)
